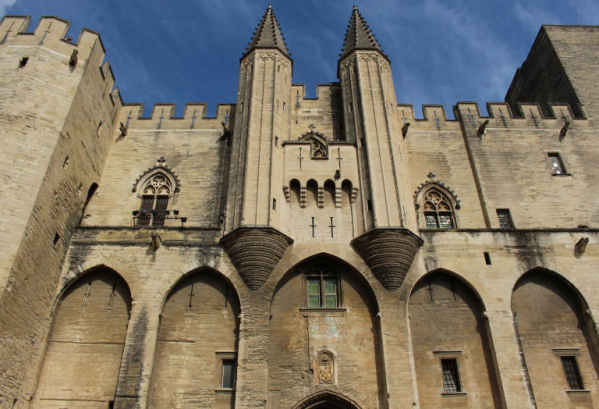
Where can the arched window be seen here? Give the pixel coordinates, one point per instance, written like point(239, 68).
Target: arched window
point(436, 204)
point(437, 209)
point(155, 196)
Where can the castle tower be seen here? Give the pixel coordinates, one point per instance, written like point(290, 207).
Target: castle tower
point(57, 110)
point(371, 121)
point(262, 122)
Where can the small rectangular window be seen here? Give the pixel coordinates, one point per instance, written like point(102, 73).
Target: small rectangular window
point(229, 369)
point(557, 165)
point(23, 62)
point(487, 259)
point(505, 219)
point(322, 292)
point(572, 372)
point(369, 204)
point(451, 376)
point(274, 204)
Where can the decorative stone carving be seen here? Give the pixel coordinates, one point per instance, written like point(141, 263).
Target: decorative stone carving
point(255, 251)
point(159, 169)
point(389, 253)
point(435, 183)
point(325, 368)
point(319, 144)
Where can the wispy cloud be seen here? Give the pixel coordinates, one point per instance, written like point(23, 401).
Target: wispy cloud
point(5, 4)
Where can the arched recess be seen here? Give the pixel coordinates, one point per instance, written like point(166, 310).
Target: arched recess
point(557, 338)
point(322, 305)
point(84, 352)
point(329, 193)
point(452, 354)
point(436, 205)
point(294, 186)
point(327, 400)
point(197, 344)
point(311, 193)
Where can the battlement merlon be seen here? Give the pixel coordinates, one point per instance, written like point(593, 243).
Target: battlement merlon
point(50, 32)
point(322, 90)
point(500, 115)
point(195, 115)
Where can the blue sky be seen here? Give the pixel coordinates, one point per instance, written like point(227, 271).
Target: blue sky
point(441, 51)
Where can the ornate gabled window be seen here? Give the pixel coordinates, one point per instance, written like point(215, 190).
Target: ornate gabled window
point(154, 200)
point(436, 206)
point(156, 188)
point(438, 213)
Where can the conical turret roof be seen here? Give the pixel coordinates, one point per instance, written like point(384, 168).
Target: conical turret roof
point(359, 36)
point(268, 34)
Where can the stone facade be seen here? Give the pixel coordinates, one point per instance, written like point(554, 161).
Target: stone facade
point(295, 252)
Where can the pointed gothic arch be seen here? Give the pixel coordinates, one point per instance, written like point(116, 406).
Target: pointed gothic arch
point(451, 342)
point(156, 186)
point(198, 337)
point(327, 399)
point(436, 205)
point(557, 337)
point(336, 299)
point(86, 342)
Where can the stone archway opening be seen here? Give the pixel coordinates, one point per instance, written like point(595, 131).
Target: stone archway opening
point(327, 400)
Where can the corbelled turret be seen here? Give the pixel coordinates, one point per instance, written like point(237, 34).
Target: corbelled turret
point(268, 34)
point(253, 240)
point(387, 244)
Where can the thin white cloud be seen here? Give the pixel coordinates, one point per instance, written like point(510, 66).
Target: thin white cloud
point(5, 4)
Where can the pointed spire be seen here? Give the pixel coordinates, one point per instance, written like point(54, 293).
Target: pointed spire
point(268, 34)
point(359, 36)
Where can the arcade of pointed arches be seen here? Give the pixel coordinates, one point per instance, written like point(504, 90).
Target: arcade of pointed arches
point(576, 363)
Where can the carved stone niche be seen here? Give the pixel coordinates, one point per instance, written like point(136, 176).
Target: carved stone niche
point(319, 144)
point(389, 253)
point(255, 251)
point(325, 368)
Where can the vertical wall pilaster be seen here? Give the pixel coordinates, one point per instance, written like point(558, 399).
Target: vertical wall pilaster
point(133, 388)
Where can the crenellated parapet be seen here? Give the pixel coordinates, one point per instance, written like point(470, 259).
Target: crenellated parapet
point(51, 33)
point(500, 116)
point(163, 117)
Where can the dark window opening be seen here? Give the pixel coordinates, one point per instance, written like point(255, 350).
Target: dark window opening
point(505, 219)
point(56, 238)
point(229, 369)
point(274, 204)
point(160, 210)
point(369, 204)
point(487, 259)
point(557, 165)
point(572, 372)
point(23, 62)
point(451, 376)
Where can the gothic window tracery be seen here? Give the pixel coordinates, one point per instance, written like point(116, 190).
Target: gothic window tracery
point(155, 196)
point(437, 208)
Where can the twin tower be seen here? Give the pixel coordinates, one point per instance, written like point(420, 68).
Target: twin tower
point(345, 155)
